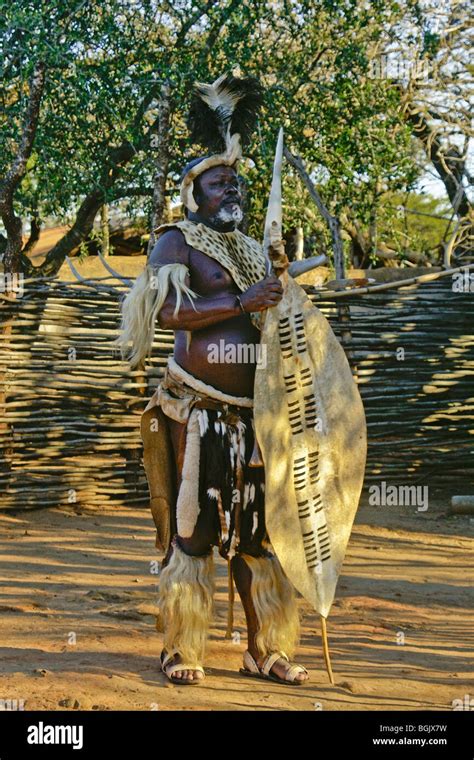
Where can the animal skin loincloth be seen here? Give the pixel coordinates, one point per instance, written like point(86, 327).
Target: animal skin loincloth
point(216, 477)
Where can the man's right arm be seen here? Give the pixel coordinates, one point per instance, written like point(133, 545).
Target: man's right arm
point(171, 248)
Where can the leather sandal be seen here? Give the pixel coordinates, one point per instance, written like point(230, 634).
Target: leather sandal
point(252, 670)
point(168, 669)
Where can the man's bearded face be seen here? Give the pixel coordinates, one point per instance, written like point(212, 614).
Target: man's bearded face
point(218, 196)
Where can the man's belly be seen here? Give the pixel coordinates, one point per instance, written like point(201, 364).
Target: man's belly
point(223, 355)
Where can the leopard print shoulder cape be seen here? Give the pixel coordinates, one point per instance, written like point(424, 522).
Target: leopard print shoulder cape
point(241, 255)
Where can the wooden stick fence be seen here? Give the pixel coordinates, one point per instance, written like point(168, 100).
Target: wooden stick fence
point(71, 406)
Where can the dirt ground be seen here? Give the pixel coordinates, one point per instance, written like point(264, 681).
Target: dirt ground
point(77, 622)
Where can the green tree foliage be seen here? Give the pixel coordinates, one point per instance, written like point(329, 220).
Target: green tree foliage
point(105, 63)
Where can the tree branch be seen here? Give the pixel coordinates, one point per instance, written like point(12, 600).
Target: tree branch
point(331, 221)
point(450, 171)
point(83, 224)
point(35, 229)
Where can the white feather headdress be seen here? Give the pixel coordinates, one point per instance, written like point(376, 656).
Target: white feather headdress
point(222, 118)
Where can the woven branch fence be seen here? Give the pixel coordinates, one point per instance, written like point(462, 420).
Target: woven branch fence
point(69, 431)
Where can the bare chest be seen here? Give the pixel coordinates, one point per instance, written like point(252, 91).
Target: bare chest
point(208, 277)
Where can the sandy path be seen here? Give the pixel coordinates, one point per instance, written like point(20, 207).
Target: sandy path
point(78, 615)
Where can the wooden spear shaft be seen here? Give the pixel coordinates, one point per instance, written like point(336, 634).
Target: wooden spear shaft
point(327, 658)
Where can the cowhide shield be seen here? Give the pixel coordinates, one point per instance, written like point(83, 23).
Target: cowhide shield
point(310, 425)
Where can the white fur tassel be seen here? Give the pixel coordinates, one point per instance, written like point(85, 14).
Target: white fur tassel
point(141, 306)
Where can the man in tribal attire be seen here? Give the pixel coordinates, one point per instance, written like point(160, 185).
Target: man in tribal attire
point(205, 280)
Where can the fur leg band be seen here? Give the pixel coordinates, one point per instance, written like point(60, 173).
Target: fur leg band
point(275, 605)
point(186, 602)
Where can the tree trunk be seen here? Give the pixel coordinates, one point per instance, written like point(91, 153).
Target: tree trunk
point(162, 162)
point(12, 255)
point(104, 230)
point(10, 183)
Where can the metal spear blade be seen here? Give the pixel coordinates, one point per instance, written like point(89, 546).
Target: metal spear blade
point(273, 221)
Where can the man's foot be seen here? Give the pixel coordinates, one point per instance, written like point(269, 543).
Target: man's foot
point(178, 672)
point(275, 667)
point(282, 667)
